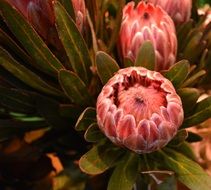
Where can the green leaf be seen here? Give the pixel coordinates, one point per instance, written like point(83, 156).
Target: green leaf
point(187, 171)
point(194, 47)
point(128, 62)
point(106, 66)
point(194, 79)
point(146, 56)
point(178, 73)
point(70, 110)
point(118, 21)
point(49, 109)
point(26, 75)
point(186, 150)
point(87, 117)
point(169, 184)
point(180, 137)
point(201, 112)
point(93, 133)
point(68, 5)
point(189, 98)
point(193, 137)
point(74, 88)
point(125, 173)
point(7, 42)
point(30, 40)
point(16, 100)
point(73, 43)
point(99, 159)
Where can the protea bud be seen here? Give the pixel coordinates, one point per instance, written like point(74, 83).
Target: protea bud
point(147, 22)
point(179, 10)
point(40, 13)
point(80, 13)
point(139, 109)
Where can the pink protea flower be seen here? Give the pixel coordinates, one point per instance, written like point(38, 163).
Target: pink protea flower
point(139, 109)
point(40, 13)
point(147, 22)
point(179, 10)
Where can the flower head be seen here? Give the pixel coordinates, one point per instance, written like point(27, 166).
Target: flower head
point(139, 109)
point(41, 15)
point(179, 10)
point(147, 22)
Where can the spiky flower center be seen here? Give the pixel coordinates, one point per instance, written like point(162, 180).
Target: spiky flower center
point(139, 96)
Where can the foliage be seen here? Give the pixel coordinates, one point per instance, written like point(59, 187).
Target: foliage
point(48, 97)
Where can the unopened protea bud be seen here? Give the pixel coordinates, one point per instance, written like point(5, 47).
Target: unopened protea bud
point(40, 13)
point(147, 22)
point(179, 10)
point(139, 109)
point(80, 13)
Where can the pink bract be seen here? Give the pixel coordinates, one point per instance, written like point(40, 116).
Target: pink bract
point(139, 109)
point(143, 23)
point(179, 10)
point(40, 13)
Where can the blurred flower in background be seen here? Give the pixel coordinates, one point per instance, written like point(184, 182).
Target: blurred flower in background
point(179, 10)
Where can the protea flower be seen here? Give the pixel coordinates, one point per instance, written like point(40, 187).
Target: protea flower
point(139, 109)
point(40, 14)
point(80, 13)
point(179, 10)
point(147, 22)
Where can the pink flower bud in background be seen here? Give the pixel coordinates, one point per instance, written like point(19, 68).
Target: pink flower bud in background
point(139, 109)
point(80, 13)
point(41, 15)
point(179, 10)
point(147, 22)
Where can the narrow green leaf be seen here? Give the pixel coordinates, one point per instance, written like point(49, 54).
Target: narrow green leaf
point(74, 88)
point(8, 42)
point(128, 62)
point(146, 56)
point(68, 5)
point(187, 171)
point(87, 117)
point(99, 159)
point(93, 133)
point(169, 184)
point(201, 112)
point(106, 66)
point(26, 75)
point(186, 149)
point(16, 100)
point(180, 137)
point(117, 23)
point(73, 43)
point(189, 98)
point(70, 110)
point(125, 173)
point(194, 47)
point(193, 137)
point(30, 40)
point(49, 109)
point(178, 73)
point(194, 79)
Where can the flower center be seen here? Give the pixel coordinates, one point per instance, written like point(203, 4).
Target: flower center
point(139, 96)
